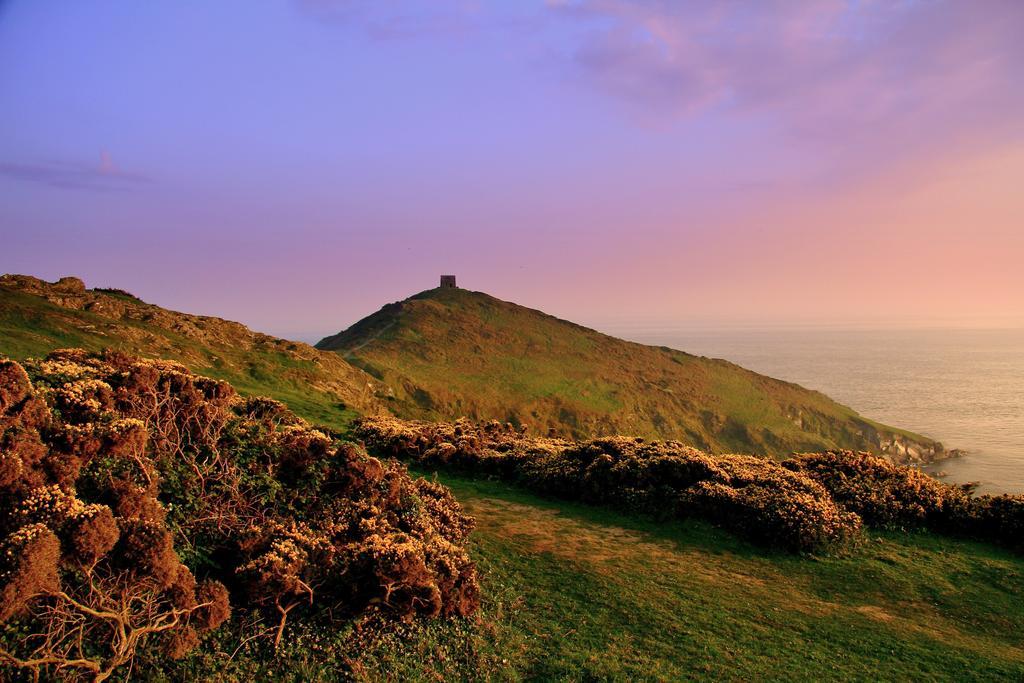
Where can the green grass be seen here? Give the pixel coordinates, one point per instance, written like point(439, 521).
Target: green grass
point(577, 593)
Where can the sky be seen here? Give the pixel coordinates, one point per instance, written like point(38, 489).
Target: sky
point(294, 165)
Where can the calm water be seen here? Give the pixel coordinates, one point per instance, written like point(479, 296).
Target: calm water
point(962, 387)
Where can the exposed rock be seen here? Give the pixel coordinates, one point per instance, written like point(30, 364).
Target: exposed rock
point(71, 285)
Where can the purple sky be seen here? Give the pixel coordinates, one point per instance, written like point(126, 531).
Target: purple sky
point(294, 165)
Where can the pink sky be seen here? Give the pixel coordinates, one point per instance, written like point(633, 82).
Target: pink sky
point(295, 165)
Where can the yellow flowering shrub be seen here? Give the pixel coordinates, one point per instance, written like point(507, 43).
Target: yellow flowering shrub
point(134, 493)
point(753, 496)
point(893, 496)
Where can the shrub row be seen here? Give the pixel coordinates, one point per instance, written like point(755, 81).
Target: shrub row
point(140, 503)
point(808, 503)
point(752, 496)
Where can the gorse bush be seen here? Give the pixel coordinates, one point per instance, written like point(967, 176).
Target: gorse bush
point(892, 496)
point(810, 502)
point(140, 504)
point(753, 496)
point(883, 494)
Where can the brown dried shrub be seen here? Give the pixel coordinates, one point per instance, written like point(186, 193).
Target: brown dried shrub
point(215, 605)
point(10, 469)
point(299, 448)
point(181, 590)
point(30, 557)
point(882, 493)
point(356, 471)
point(71, 565)
point(147, 548)
point(754, 496)
point(130, 500)
point(999, 518)
point(267, 411)
point(180, 642)
point(377, 538)
point(89, 447)
point(14, 385)
point(92, 534)
point(22, 416)
point(400, 566)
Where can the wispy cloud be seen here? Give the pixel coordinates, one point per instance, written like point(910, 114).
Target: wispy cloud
point(827, 68)
point(845, 76)
point(102, 176)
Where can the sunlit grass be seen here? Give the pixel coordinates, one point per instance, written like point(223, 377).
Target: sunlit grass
point(449, 353)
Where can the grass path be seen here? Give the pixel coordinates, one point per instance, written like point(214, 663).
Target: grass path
point(577, 593)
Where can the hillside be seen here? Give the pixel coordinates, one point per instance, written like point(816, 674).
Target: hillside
point(449, 353)
point(567, 590)
point(178, 531)
point(37, 317)
point(444, 354)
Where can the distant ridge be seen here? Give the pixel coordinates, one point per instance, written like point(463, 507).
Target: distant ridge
point(447, 353)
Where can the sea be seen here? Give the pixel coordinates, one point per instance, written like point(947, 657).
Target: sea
point(963, 387)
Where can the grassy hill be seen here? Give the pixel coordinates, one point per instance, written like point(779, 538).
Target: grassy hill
point(37, 317)
point(569, 591)
point(448, 353)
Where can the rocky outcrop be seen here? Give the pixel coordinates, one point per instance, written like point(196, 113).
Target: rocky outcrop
point(906, 451)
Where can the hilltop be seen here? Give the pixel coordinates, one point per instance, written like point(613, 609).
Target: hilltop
point(447, 353)
point(37, 317)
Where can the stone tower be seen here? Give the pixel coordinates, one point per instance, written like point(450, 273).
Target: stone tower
point(448, 281)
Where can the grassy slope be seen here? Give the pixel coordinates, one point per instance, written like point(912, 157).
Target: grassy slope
point(316, 385)
point(587, 594)
point(576, 593)
point(448, 353)
point(573, 592)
